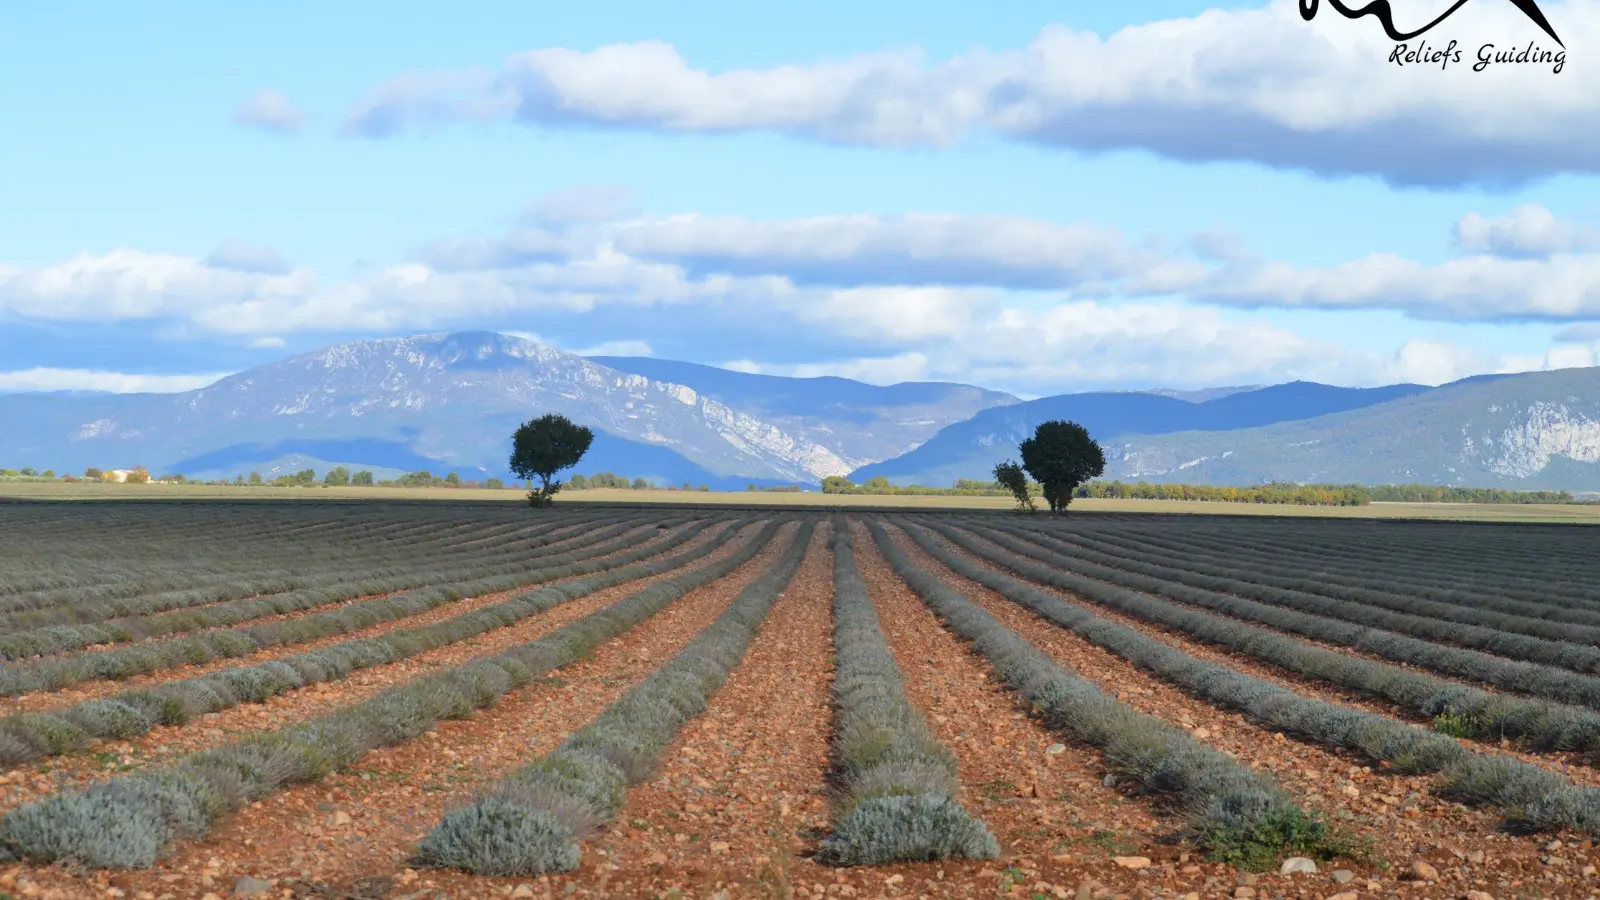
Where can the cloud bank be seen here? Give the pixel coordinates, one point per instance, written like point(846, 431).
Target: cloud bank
point(1257, 85)
point(1019, 303)
point(48, 379)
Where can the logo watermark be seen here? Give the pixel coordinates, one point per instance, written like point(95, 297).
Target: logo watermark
point(1422, 53)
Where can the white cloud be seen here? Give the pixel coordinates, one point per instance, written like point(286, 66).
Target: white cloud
point(1473, 288)
point(1092, 345)
point(883, 98)
point(46, 379)
point(125, 285)
point(269, 109)
point(881, 280)
point(897, 314)
point(878, 299)
point(943, 249)
point(1436, 362)
point(1253, 84)
point(132, 284)
point(872, 370)
point(1088, 345)
point(604, 348)
point(1529, 231)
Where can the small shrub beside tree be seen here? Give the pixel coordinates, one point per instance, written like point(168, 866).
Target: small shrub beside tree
point(1010, 475)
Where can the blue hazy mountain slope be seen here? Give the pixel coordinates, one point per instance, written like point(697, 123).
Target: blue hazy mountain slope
point(861, 422)
point(1533, 431)
point(443, 401)
point(971, 449)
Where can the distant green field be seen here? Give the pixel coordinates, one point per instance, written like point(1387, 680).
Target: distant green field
point(1456, 511)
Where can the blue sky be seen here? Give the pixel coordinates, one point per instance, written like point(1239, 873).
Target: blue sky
point(1037, 197)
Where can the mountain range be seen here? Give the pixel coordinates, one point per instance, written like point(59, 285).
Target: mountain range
point(449, 402)
point(970, 449)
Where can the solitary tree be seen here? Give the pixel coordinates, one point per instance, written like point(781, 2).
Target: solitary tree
point(1012, 478)
point(1061, 456)
point(639, 484)
point(543, 447)
point(338, 476)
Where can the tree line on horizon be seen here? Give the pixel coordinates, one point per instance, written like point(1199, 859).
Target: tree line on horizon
point(1280, 492)
point(1060, 462)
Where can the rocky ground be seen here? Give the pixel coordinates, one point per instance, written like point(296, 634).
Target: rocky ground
point(741, 800)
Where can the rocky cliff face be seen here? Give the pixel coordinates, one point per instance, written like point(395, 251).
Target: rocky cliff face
point(859, 423)
point(497, 372)
point(1539, 430)
point(1538, 434)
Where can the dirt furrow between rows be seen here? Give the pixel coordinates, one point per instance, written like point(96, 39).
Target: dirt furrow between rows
point(744, 780)
point(1057, 822)
point(164, 742)
point(1402, 819)
point(341, 835)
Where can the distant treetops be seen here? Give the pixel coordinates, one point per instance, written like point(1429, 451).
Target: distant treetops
point(1060, 456)
point(544, 446)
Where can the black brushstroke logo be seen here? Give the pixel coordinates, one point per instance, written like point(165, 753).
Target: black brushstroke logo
point(1381, 10)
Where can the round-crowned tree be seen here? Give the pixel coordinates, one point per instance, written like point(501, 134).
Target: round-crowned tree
point(1061, 456)
point(544, 446)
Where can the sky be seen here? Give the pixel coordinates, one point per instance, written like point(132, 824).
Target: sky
point(1039, 198)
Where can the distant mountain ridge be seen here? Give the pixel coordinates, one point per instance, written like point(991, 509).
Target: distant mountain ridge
point(863, 422)
point(449, 402)
point(1532, 431)
point(971, 449)
point(440, 401)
